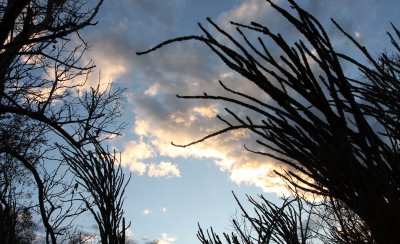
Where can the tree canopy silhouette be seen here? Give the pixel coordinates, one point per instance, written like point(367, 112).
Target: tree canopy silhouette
point(47, 107)
point(338, 134)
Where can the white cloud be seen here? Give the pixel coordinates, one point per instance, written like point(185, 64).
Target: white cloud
point(166, 239)
point(129, 234)
point(146, 212)
point(135, 152)
point(138, 167)
point(182, 118)
point(133, 155)
point(186, 118)
point(246, 11)
point(158, 123)
point(226, 150)
point(164, 210)
point(111, 61)
point(164, 169)
point(206, 111)
point(256, 174)
point(152, 90)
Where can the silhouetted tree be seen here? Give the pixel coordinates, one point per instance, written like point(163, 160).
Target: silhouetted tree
point(43, 88)
point(17, 225)
point(99, 173)
point(338, 134)
point(295, 220)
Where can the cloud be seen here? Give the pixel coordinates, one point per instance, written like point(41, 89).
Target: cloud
point(114, 43)
point(161, 118)
point(191, 69)
point(111, 58)
point(166, 239)
point(110, 69)
point(163, 12)
point(164, 169)
point(136, 152)
point(152, 90)
point(146, 212)
point(133, 155)
point(226, 150)
point(245, 12)
point(129, 235)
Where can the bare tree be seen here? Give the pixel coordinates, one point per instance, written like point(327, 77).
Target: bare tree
point(100, 174)
point(43, 85)
point(322, 123)
point(17, 225)
point(42, 70)
point(295, 220)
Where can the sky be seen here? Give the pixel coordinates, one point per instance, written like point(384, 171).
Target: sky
point(172, 189)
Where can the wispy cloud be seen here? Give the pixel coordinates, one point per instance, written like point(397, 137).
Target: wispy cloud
point(166, 239)
point(164, 169)
point(129, 235)
point(245, 12)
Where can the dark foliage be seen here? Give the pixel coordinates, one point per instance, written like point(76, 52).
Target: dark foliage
point(47, 106)
point(17, 225)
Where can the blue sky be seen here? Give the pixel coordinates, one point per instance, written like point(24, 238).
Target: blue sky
point(172, 188)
